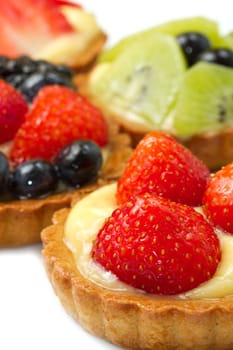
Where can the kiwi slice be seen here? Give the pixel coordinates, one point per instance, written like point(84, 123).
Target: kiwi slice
point(174, 28)
point(204, 102)
point(140, 84)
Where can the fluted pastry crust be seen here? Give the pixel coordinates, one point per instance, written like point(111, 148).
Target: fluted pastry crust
point(134, 321)
point(23, 220)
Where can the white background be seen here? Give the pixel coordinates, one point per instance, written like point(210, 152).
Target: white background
point(31, 316)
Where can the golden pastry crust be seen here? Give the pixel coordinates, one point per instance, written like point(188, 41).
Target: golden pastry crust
point(130, 320)
point(23, 220)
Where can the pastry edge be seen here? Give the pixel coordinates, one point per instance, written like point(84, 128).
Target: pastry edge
point(129, 320)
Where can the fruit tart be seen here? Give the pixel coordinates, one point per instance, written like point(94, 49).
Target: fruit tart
point(52, 144)
point(146, 262)
point(58, 31)
point(175, 78)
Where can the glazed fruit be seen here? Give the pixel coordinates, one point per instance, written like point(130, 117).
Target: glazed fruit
point(202, 25)
point(162, 166)
point(181, 103)
point(204, 101)
point(13, 108)
point(57, 117)
point(29, 76)
point(79, 162)
point(158, 246)
point(219, 56)
point(143, 82)
point(4, 173)
point(33, 179)
point(24, 31)
point(218, 199)
point(193, 44)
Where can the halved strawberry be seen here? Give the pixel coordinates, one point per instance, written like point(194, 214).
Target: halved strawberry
point(157, 245)
point(218, 199)
point(28, 25)
point(162, 166)
point(57, 117)
point(13, 109)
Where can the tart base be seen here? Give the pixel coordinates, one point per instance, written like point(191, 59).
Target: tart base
point(23, 220)
point(134, 321)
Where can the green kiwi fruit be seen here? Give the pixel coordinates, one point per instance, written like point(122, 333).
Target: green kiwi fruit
point(204, 101)
point(142, 81)
point(174, 28)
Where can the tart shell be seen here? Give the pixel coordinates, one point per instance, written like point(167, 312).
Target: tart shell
point(134, 320)
point(23, 220)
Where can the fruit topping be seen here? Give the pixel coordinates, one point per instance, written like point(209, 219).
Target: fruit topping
point(162, 166)
point(4, 173)
point(13, 108)
point(204, 101)
point(142, 81)
point(79, 162)
point(193, 44)
point(33, 179)
point(139, 83)
point(218, 56)
point(218, 199)
point(57, 117)
point(158, 246)
point(27, 26)
point(29, 76)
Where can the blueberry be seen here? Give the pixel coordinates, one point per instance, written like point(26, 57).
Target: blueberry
point(25, 65)
point(44, 66)
point(64, 70)
point(34, 82)
point(192, 44)
point(79, 162)
point(34, 179)
point(15, 79)
point(3, 65)
point(219, 56)
point(4, 172)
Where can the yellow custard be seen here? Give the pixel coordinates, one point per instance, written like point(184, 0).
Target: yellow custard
point(87, 217)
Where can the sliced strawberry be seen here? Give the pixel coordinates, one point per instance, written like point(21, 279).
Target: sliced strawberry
point(57, 117)
point(28, 25)
point(13, 108)
point(157, 245)
point(162, 166)
point(218, 199)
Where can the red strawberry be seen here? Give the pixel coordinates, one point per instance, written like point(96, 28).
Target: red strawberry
point(218, 199)
point(13, 108)
point(57, 117)
point(28, 25)
point(162, 166)
point(157, 245)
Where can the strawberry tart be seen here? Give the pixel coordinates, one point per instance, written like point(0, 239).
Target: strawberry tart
point(51, 149)
point(61, 32)
point(145, 262)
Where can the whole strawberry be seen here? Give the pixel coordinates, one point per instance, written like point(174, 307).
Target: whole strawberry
point(13, 108)
point(57, 117)
point(162, 166)
point(158, 246)
point(218, 199)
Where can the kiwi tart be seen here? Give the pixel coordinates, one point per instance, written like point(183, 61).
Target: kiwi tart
point(176, 78)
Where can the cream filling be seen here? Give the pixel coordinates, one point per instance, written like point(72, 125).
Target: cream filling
point(69, 47)
point(87, 217)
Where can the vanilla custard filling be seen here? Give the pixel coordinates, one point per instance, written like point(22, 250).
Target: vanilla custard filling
point(69, 47)
point(87, 217)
